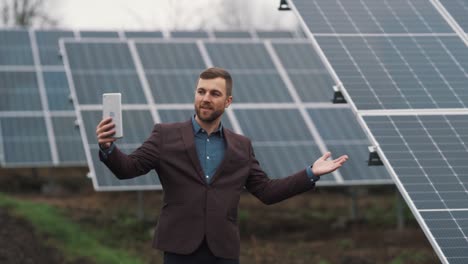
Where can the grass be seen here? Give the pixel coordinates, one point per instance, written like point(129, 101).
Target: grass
point(67, 236)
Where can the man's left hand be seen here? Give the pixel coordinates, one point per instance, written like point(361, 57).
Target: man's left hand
point(324, 166)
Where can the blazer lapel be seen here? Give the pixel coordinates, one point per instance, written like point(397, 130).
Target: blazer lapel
point(189, 142)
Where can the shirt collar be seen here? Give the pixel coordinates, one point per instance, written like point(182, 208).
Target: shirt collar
point(197, 128)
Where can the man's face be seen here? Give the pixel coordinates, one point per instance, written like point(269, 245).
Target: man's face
point(211, 99)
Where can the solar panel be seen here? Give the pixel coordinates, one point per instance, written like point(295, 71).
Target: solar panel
point(257, 78)
point(25, 141)
point(310, 78)
point(58, 92)
point(189, 34)
point(408, 72)
point(99, 34)
point(265, 34)
point(104, 68)
point(69, 144)
point(232, 34)
point(19, 91)
point(15, 48)
point(370, 16)
point(402, 66)
point(458, 10)
point(428, 154)
point(143, 34)
point(47, 43)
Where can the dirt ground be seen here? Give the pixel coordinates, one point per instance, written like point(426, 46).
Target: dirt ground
point(315, 227)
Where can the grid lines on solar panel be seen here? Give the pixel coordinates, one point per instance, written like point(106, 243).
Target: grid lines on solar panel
point(307, 73)
point(15, 48)
point(400, 72)
point(370, 16)
point(342, 135)
point(171, 69)
point(458, 9)
point(25, 141)
point(19, 91)
point(105, 67)
point(255, 77)
point(428, 155)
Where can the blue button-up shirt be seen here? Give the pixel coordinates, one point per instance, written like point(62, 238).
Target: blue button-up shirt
point(210, 149)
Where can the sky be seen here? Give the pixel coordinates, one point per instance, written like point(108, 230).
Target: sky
point(171, 14)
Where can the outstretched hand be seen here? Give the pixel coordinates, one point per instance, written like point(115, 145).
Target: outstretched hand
point(324, 166)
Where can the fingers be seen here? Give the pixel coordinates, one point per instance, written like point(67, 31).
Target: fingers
point(341, 160)
point(104, 131)
point(326, 156)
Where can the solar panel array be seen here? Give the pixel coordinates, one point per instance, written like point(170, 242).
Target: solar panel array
point(157, 80)
point(402, 65)
point(34, 87)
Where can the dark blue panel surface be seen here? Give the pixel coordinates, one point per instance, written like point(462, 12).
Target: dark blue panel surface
point(15, 48)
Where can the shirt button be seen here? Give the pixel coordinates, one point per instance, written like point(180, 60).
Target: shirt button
point(207, 176)
point(207, 157)
point(208, 140)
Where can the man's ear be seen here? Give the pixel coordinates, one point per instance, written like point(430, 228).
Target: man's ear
point(228, 102)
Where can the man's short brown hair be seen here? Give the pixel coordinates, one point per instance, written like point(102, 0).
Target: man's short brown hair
point(215, 72)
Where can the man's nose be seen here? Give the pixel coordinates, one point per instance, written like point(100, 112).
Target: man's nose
point(206, 97)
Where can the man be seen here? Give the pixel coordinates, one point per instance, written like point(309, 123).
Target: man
point(203, 168)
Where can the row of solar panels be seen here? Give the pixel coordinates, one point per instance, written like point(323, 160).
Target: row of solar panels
point(271, 78)
point(167, 71)
point(402, 65)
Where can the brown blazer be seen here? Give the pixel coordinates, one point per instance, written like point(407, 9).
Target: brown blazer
point(192, 208)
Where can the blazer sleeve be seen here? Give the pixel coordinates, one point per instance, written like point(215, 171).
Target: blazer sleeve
point(271, 191)
point(139, 162)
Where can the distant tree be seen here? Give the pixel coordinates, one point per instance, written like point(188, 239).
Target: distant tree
point(26, 13)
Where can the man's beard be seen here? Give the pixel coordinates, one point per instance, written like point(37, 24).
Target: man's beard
point(211, 118)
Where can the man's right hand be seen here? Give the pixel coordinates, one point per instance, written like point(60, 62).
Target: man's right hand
point(104, 132)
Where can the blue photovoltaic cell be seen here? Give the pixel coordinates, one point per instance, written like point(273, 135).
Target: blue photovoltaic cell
point(58, 92)
point(99, 68)
point(48, 45)
point(254, 75)
point(15, 48)
point(170, 56)
point(400, 72)
point(337, 124)
point(68, 141)
point(232, 34)
point(189, 34)
point(458, 9)
point(371, 16)
point(264, 34)
point(307, 73)
point(19, 91)
point(172, 70)
point(428, 155)
point(25, 141)
point(240, 56)
point(143, 34)
point(273, 125)
point(99, 34)
point(175, 87)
